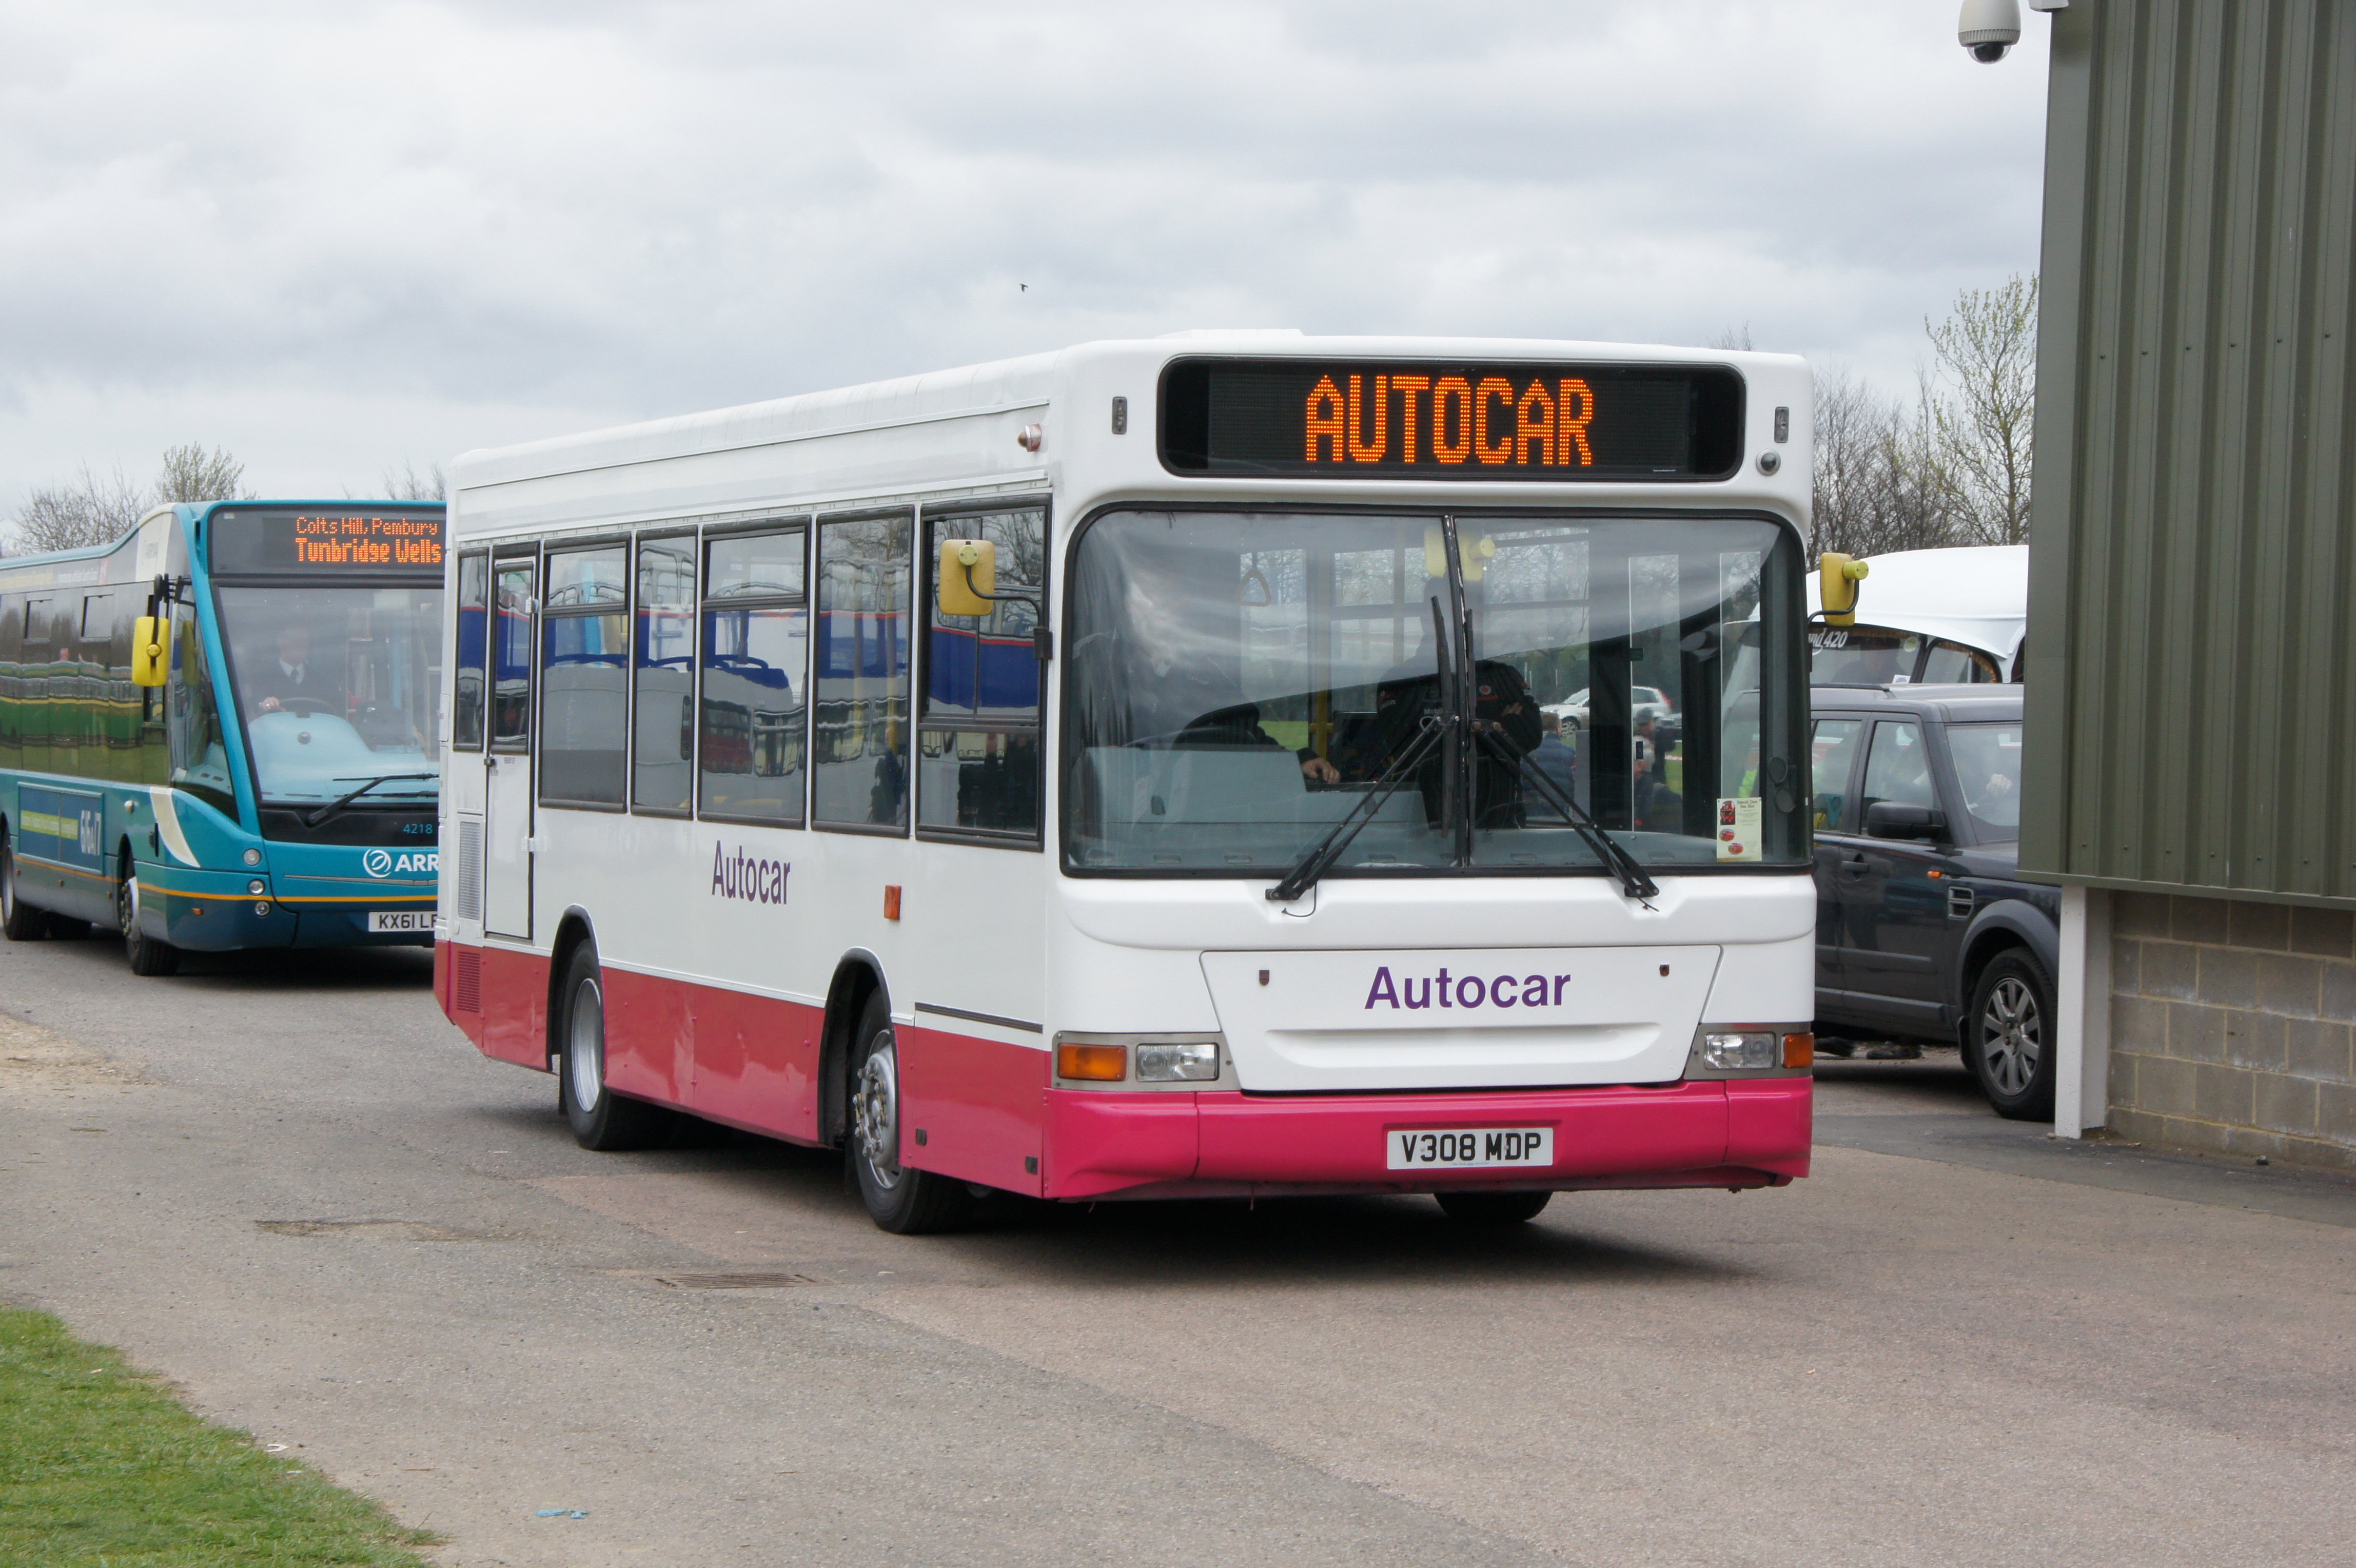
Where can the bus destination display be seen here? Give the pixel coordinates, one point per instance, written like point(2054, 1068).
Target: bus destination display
point(328, 538)
point(1406, 420)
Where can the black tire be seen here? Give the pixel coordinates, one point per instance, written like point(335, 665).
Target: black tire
point(600, 1118)
point(1491, 1208)
point(902, 1201)
point(2008, 1036)
point(147, 955)
point(19, 920)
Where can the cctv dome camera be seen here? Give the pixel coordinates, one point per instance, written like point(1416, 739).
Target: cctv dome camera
point(1989, 28)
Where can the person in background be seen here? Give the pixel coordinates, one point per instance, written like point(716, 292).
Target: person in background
point(1559, 760)
point(1658, 808)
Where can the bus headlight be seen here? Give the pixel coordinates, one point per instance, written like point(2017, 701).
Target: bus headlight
point(257, 887)
point(1196, 1061)
point(1740, 1051)
point(1154, 1064)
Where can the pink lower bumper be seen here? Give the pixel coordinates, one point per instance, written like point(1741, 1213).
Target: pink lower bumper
point(1739, 1133)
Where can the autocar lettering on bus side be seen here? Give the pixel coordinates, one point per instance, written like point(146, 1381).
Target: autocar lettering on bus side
point(1465, 991)
point(748, 877)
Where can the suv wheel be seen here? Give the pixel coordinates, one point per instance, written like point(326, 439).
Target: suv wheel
point(2008, 1042)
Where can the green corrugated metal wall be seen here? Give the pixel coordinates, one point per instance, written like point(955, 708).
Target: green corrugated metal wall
point(2192, 592)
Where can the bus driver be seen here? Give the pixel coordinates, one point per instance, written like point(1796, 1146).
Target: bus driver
point(1179, 696)
point(278, 683)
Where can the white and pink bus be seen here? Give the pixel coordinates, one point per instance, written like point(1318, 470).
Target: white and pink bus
point(1130, 773)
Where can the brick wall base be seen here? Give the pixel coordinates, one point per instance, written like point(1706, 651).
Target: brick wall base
point(2231, 1028)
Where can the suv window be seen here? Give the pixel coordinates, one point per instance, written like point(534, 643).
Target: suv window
point(1832, 763)
point(1987, 775)
point(1899, 767)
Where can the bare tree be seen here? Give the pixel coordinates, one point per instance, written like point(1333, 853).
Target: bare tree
point(96, 509)
point(1984, 412)
point(100, 508)
point(192, 473)
point(1854, 428)
point(1732, 338)
point(406, 484)
point(1878, 484)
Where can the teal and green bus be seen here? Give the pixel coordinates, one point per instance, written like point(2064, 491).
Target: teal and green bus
point(221, 732)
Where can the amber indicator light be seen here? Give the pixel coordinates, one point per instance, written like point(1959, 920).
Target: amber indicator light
point(1098, 1064)
point(891, 901)
point(1799, 1050)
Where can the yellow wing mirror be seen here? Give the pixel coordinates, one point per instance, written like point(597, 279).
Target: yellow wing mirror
point(968, 577)
point(151, 644)
point(1475, 549)
point(1838, 577)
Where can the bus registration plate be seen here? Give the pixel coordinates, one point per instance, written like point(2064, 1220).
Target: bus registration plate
point(400, 920)
point(1460, 1148)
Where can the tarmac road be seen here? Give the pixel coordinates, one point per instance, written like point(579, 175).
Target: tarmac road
point(289, 1185)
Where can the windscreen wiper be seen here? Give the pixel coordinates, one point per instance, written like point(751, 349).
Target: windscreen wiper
point(1320, 855)
point(336, 808)
point(1633, 880)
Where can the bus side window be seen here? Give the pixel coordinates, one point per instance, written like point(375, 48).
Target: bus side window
point(474, 642)
point(860, 772)
point(662, 642)
point(755, 677)
point(977, 764)
point(511, 655)
point(584, 696)
point(199, 756)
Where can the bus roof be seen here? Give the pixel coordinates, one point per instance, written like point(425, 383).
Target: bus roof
point(1009, 393)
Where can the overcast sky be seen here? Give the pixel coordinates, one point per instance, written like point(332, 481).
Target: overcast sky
point(337, 238)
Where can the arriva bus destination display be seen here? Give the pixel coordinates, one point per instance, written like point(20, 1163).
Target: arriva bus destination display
point(1410, 419)
point(328, 538)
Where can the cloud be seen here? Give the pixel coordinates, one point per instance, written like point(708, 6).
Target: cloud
point(332, 238)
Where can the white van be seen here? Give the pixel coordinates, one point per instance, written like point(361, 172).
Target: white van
point(1929, 617)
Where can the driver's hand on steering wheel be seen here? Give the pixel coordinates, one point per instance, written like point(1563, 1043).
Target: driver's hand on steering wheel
point(269, 704)
point(1320, 770)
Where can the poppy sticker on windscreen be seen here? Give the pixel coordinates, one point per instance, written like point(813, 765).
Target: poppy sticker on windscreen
point(1738, 827)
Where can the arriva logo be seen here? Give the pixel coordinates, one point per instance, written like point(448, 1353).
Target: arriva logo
point(415, 863)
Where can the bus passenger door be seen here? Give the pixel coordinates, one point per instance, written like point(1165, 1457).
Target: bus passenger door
point(507, 785)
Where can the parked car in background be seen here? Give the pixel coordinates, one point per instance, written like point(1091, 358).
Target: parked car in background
point(1924, 930)
point(1645, 703)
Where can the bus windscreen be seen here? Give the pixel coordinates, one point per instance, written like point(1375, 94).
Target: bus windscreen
point(315, 542)
point(1441, 421)
point(336, 687)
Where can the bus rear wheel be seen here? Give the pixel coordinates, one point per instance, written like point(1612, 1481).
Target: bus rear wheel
point(19, 920)
point(147, 955)
point(904, 1202)
point(600, 1118)
point(1491, 1208)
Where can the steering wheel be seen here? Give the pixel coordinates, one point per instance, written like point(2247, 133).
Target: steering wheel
point(303, 708)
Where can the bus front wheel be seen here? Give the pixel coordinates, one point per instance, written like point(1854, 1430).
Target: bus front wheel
point(600, 1118)
point(18, 919)
point(904, 1202)
point(147, 955)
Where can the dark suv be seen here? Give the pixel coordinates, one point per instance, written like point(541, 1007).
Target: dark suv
point(1924, 930)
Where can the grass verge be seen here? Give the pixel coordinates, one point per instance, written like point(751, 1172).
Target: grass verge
point(100, 1466)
